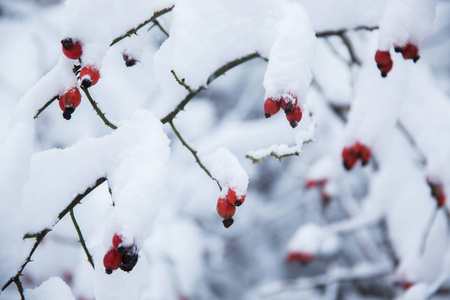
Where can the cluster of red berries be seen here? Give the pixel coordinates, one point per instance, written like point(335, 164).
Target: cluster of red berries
point(300, 257)
point(226, 206)
point(290, 106)
point(119, 256)
point(320, 184)
point(351, 155)
point(437, 191)
point(89, 76)
point(384, 60)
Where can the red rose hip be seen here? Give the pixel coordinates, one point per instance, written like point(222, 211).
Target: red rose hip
point(72, 49)
point(69, 100)
point(295, 116)
point(271, 107)
point(226, 210)
point(384, 62)
point(112, 260)
point(89, 76)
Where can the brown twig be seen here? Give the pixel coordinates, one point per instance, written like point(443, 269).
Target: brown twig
point(132, 31)
point(194, 153)
point(45, 106)
point(40, 235)
point(192, 93)
point(81, 239)
point(97, 109)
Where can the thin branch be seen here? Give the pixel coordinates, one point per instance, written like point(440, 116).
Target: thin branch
point(19, 288)
point(45, 106)
point(81, 239)
point(351, 51)
point(340, 275)
point(341, 31)
point(256, 160)
point(40, 236)
point(134, 30)
point(230, 66)
point(97, 109)
point(169, 117)
point(161, 27)
point(194, 153)
point(181, 82)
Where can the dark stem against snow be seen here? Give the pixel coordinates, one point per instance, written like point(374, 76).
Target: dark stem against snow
point(134, 30)
point(45, 106)
point(81, 239)
point(192, 93)
point(40, 235)
point(156, 23)
point(194, 153)
point(256, 160)
point(97, 109)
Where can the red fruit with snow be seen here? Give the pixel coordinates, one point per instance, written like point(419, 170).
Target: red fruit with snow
point(117, 239)
point(349, 158)
point(271, 107)
point(72, 49)
point(410, 51)
point(288, 102)
point(226, 210)
point(235, 199)
point(89, 76)
point(295, 116)
point(69, 101)
point(112, 260)
point(437, 191)
point(300, 257)
point(384, 62)
point(363, 152)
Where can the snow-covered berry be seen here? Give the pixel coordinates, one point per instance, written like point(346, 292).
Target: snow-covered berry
point(362, 152)
point(288, 102)
point(72, 49)
point(295, 116)
point(301, 257)
point(271, 107)
point(116, 240)
point(69, 101)
point(89, 76)
point(112, 260)
point(348, 158)
point(384, 62)
point(410, 51)
point(226, 210)
point(234, 199)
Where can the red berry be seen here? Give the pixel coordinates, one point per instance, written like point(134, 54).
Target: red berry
point(69, 100)
point(310, 184)
point(235, 199)
point(410, 51)
point(117, 239)
point(301, 257)
point(271, 107)
point(440, 199)
point(112, 260)
point(407, 285)
point(384, 62)
point(288, 102)
point(89, 76)
point(225, 209)
point(72, 49)
point(363, 152)
point(382, 57)
point(349, 158)
point(295, 116)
